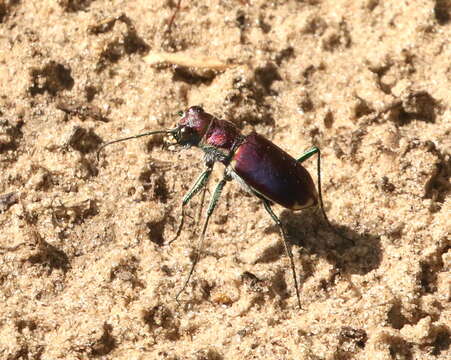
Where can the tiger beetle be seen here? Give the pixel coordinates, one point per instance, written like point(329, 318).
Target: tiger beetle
point(260, 167)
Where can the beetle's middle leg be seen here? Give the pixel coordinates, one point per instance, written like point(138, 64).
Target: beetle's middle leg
point(286, 245)
point(200, 183)
point(213, 202)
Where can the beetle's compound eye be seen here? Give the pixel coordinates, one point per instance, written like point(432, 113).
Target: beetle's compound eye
point(195, 109)
point(180, 113)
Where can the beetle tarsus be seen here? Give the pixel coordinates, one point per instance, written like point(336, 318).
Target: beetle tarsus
point(179, 228)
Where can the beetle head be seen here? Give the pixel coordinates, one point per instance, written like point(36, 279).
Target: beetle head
point(192, 126)
point(189, 131)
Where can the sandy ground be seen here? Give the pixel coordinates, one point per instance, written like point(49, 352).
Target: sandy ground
point(84, 269)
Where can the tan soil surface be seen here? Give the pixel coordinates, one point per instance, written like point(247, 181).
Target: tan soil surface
point(84, 272)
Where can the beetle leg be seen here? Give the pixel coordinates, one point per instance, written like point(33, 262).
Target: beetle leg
point(309, 153)
point(211, 207)
point(201, 207)
point(197, 186)
point(286, 245)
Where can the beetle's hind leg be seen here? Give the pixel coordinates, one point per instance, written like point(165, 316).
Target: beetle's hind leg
point(211, 207)
point(308, 154)
point(200, 183)
point(267, 205)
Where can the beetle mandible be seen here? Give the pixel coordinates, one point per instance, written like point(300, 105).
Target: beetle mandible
point(259, 166)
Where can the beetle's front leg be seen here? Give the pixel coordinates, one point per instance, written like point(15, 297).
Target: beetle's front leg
point(211, 207)
point(197, 186)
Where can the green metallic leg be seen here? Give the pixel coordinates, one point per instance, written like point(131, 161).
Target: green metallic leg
point(211, 207)
point(287, 247)
point(201, 206)
point(308, 154)
point(198, 185)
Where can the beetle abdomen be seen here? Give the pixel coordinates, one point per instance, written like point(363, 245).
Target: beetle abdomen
point(273, 173)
